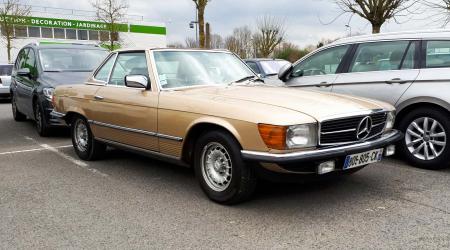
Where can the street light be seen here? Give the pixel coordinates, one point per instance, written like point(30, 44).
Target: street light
point(350, 29)
point(191, 25)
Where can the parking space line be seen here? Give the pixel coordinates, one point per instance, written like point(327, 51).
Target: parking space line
point(31, 150)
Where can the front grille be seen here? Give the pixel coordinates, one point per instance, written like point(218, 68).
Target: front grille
point(343, 130)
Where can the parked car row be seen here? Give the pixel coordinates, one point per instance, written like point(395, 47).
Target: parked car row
point(209, 110)
point(5, 80)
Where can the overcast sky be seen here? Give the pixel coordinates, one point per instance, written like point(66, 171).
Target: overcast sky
point(303, 18)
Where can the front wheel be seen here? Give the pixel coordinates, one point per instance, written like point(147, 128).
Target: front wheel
point(86, 147)
point(220, 170)
point(42, 127)
point(426, 138)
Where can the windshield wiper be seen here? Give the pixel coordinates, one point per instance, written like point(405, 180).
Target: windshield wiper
point(243, 79)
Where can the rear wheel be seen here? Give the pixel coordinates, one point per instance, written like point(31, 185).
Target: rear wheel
point(220, 170)
point(17, 115)
point(426, 138)
point(86, 147)
point(42, 127)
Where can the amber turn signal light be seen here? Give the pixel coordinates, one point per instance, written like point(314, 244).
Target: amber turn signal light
point(273, 136)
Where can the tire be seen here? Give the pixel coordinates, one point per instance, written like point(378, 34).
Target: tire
point(42, 127)
point(435, 138)
point(86, 147)
point(234, 181)
point(17, 115)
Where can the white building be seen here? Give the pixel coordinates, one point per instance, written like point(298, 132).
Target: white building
point(76, 26)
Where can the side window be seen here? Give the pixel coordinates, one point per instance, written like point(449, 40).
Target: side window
point(408, 62)
point(378, 56)
point(322, 63)
point(21, 58)
point(103, 73)
point(132, 63)
point(30, 62)
point(254, 67)
point(438, 54)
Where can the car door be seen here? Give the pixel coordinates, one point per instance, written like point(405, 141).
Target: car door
point(17, 80)
point(380, 70)
point(318, 71)
point(27, 84)
point(123, 114)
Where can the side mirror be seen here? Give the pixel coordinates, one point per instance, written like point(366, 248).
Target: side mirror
point(285, 71)
point(24, 72)
point(260, 75)
point(137, 81)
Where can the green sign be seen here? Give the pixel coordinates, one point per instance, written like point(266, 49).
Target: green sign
point(86, 25)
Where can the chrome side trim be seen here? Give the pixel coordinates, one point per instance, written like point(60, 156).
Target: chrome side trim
point(137, 131)
point(338, 131)
point(323, 153)
point(57, 114)
point(145, 152)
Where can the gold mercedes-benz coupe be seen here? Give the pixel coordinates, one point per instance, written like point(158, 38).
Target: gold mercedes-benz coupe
point(208, 110)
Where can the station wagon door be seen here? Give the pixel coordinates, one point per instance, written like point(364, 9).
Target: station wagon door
point(318, 71)
point(380, 70)
point(122, 114)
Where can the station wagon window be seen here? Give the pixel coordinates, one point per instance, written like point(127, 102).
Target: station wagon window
point(133, 63)
point(254, 67)
point(30, 62)
point(438, 54)
point(379, 56)
point(21, 58)
point(103, 73)
point(408, 61)
point(322, 63)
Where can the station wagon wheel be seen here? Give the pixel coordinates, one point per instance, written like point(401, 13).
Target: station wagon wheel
point(220, 170)
point(84, 143)
point(426, 138)
point(41, 124)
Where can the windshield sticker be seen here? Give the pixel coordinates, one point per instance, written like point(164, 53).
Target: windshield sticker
point(163, 79)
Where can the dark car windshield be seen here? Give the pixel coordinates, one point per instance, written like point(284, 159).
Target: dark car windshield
point(67, 59)
point(272, 67)
point(6, 70)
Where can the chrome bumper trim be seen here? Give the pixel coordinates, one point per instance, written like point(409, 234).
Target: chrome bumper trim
point(323, 153)
point(57, 114)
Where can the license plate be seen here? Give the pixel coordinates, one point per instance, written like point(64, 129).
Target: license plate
point(361, 159)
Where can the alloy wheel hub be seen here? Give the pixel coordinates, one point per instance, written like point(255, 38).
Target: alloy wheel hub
point(426, 138)
point(216, 166)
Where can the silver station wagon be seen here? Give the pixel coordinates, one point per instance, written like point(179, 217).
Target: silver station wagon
point(410, 70)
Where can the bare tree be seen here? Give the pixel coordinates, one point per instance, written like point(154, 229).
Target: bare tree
point(111, 12)
point(191, 42)
point(376, 12)
point(440, 11)
point(240, 42)
point(10, 11)
point(201, 5)
point(217, 42)
point(175, 45)
point(269, 34)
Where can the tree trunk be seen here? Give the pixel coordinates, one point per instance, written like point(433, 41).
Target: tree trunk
point(376, 28)
point(201, 25)
point(8, 47)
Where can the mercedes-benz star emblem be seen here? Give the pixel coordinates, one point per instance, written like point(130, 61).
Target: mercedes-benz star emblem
point(364, 128)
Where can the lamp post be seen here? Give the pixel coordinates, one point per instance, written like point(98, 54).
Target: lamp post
point(350, 29)
point(192, 23)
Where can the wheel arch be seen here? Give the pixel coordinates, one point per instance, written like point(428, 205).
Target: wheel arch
point(71, 114)
point(421, 102)
point(201, 126)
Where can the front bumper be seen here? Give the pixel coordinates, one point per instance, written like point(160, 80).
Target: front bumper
point(323, 154)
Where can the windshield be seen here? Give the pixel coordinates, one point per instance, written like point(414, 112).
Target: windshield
point(5, 70)
point(193, 68)
point(81, 60)
point(272, 67)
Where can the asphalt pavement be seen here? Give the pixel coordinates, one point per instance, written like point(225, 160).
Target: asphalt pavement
point(49, 199)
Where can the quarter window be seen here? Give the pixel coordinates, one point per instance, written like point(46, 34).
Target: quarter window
point(103, 72)
point(379, 56)
point(322, 63)
point(133, 63)
point(438, 54)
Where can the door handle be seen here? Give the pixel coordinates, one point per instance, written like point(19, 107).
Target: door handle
point(323, 84)
point(99, 98)
point(396, 80)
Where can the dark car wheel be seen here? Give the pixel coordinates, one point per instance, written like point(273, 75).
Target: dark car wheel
point(220, 170)
point(41, 123)
point(426, 138)
point(17, 115)
point(86, 147)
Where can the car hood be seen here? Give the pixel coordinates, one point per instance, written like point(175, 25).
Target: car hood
point(319, 105)
point(63, 78)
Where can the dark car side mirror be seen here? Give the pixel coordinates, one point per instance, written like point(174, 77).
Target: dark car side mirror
point(285, 71)
point(24, 72)
point(137, 81)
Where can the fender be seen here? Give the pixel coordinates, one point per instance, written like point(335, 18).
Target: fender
point(423, 99)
